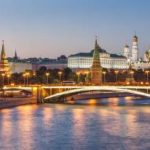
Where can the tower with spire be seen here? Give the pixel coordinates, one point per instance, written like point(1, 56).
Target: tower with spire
point(4, 65)
point(15, 56)
point(135, 51)
point(96, 69)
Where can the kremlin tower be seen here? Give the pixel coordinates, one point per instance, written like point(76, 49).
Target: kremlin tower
point(135, 50)
point(4, 65)
point(96, 69)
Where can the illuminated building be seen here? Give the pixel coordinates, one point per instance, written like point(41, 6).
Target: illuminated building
point(107, 60)
point(126, 52)
point(4, 65)
point(135, 50)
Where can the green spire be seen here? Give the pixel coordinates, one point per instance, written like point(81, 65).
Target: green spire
point(3, 54)
point(96, 69)
point(96, 53)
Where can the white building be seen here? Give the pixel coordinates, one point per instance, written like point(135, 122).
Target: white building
point(133, 56)
point(109, 61)
point(135, 50)
point(126, 52)
point(141, 65)
point(18, 67)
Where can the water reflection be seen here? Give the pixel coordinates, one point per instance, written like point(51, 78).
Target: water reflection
point(112, 101)
point(65, 127)
point(78, 122)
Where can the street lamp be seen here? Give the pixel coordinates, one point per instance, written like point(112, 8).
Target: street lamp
point(27, 75)
point(47, 76)
point(131, 72)
point(104, 73)
point(24, 78)
point(78, 75)
point(116, 72)
point(8, 78)
point(87, 76)
point(147, 74)
point(34, 74)
point(60, 75)
point(3, 76)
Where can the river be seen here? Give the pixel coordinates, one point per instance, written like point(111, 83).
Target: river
point(75, 127)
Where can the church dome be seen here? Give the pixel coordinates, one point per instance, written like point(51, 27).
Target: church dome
point(135, 38)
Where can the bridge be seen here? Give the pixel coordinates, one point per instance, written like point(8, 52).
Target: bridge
point(48, 93)
point(72, 90)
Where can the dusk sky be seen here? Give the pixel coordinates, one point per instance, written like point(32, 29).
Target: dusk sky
point(49, 28)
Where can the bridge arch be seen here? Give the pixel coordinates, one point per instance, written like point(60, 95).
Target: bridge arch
point(88, 89)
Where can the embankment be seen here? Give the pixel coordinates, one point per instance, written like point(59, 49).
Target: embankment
point(12, 102)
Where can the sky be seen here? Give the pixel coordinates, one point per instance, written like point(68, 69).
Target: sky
point(50, 28)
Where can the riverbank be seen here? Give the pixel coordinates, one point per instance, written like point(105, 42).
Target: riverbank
point(12, 102)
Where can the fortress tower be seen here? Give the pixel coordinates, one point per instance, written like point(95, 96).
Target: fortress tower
point(4, 65)
point(96, 69)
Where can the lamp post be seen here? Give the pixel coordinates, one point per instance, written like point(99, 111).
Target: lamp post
point(47, 76)
point(60, 75)
point(104, 73)
point(24, 78)
point(34, 74)
point(27, 75)
point(147, 75)
point(78, 75)
point(87, 76)
point(116, 73)
point(3, 76)
point(8, 78)
point(132, 73)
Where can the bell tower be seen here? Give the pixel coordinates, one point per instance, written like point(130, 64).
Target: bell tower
point(135, 51)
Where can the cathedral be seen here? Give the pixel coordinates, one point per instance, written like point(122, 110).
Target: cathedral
point(132, 56)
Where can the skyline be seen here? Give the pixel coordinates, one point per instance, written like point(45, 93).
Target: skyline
point(51, 28)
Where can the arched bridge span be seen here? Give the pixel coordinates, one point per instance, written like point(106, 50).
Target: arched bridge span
point(99, 88)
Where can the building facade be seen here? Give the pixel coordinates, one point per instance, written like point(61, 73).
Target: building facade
point(135, 50)
point(133, 56)
point(107, 60)
point(18, 67)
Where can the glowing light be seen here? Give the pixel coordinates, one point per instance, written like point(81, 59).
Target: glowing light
point(92, 102)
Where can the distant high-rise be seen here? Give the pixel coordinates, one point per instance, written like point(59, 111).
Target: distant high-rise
point(96, 69)
point(4, 65)
point(135, 51)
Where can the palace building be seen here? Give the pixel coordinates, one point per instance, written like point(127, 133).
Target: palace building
point(107, 60)
point(81, 61)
